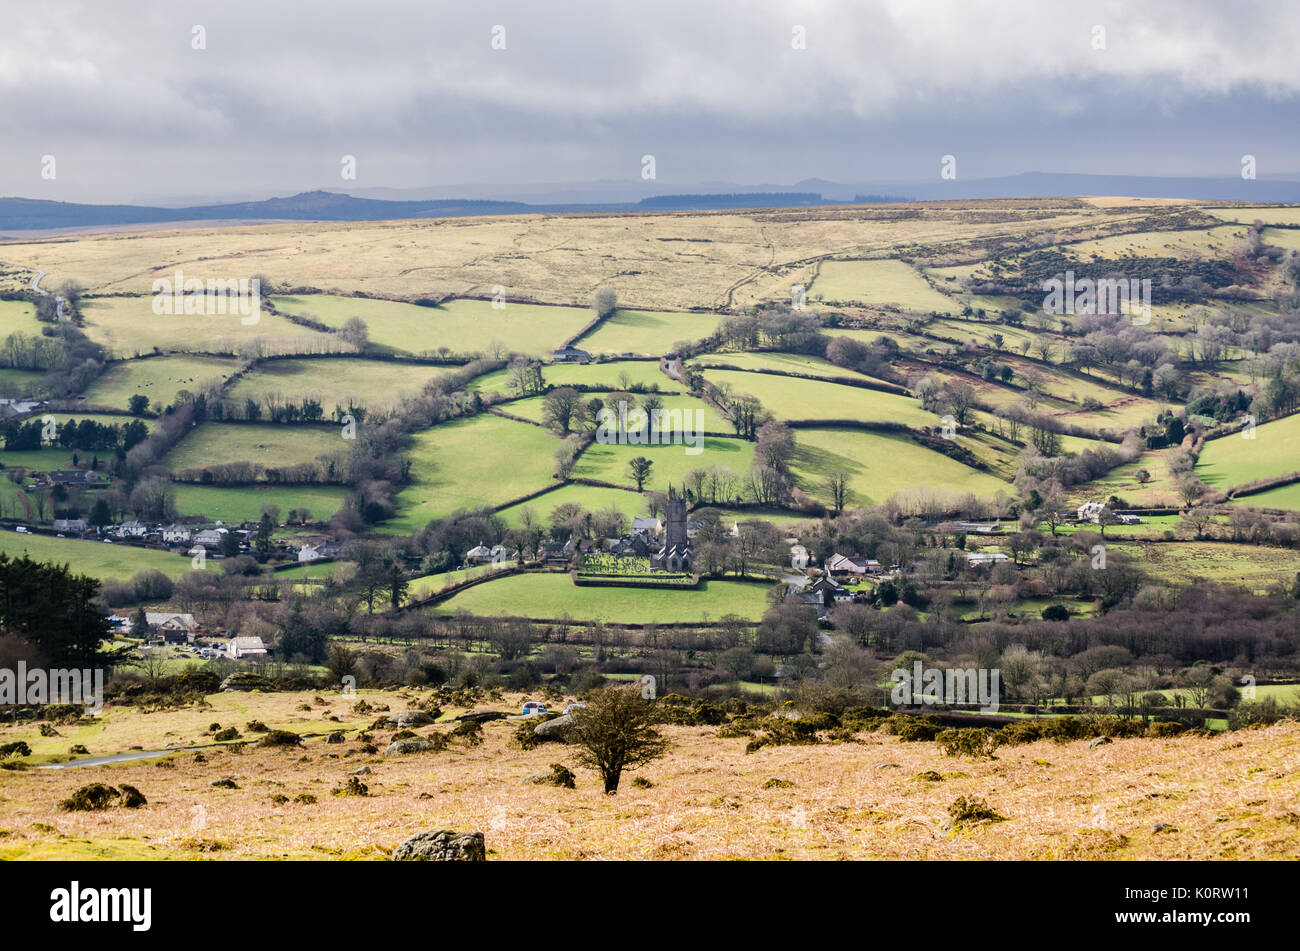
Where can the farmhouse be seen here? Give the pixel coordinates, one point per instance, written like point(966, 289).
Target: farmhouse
point(210, 537)
point(132, 529)
point(978, 558)
point(174, 628)
point(246, 648)
point(77, 525)
point(73, 477)
point(851, 566)
point(556, 552)
point(571, 355)
point(1090, 511)
point(176, 534)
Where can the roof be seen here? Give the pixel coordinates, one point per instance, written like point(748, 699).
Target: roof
point(167, 618)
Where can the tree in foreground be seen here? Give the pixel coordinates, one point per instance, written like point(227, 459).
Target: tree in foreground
point(615, 732)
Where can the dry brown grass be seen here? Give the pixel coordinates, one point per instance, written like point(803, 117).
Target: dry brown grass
point(1235, 796)
point(731, 257)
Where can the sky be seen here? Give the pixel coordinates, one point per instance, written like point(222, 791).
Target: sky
point(143, 101)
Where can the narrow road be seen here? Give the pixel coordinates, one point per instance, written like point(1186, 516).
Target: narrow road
point(36, 286)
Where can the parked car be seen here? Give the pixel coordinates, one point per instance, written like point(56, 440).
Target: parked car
point(533, 708)
point(23, 530)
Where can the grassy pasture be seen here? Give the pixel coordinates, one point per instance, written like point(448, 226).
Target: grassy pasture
point(1208, 242)
point(608, 463)
point(94, 558)
point(650, 333)
point(713, 422)
point(211, 444)
point(789, 398)
point(880, 465)
point(785, 362)
point(592, 498)
point(19, 317)
point(1233, 459)
point(878, 282)
point(1247, 566)
point(1268, 214)
point(159, 378)
point(1282, 497)
point(461, 326)
point(128, 327)
point(1160, 491)
point(244, 503)
point(335, 381)
point(458, 465)
point(551, 594)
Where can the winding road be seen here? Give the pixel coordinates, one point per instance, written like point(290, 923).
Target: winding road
point(36, 286)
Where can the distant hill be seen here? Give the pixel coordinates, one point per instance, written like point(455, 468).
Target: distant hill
point(27, 214)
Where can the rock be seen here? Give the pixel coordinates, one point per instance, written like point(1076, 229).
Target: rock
point(242, 680)
point(1163, 827)
point(886, 766)
point(335, 737)
point(535, 779)
point(442, 845)
point(408, 746)
point(360, 771)
point(482, 716)
point(1098, 741)
point(410, 718)
point(556, 729)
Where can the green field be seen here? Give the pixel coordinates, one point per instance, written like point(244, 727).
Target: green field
point(459, 326)
point(608, 463)
point(590, 497)
point(1282, 497)
point(210, 444)
point(785, 362)
point(878, 282)
point(128, 327)
point(1234, 459)
point(335, 381)
point(1247, 566)
point(881, 464)
point(648, 332)
point(159, 378)
point(551, 595)
point(244, 503)
point(94, 558)
point(19, 317)
point(789, 398)
point(710, 421)
point(461, 465)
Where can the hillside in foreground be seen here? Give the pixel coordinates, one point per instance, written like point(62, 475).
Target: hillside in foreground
point(1234, 796)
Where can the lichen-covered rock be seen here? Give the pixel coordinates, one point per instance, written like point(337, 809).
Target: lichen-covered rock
point(442, 845)
point(242, 680)
point(556, 729)
point(410, 718)
point(407, 746)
